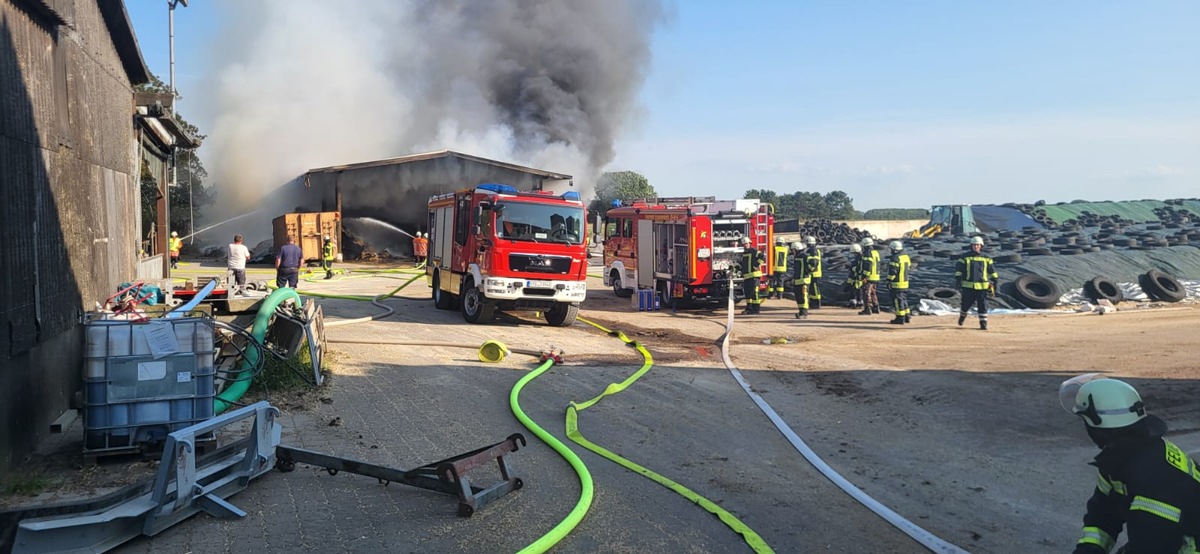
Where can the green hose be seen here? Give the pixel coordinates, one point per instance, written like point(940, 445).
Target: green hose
point(585, 477)
point(238, 388)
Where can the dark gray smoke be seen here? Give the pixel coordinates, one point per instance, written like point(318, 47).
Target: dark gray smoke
point(313, 83)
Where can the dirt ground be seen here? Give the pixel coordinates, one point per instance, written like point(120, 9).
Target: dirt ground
point(956, 429)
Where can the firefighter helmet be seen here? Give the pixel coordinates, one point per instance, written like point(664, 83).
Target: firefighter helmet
point(977, 240)
point(745, 241)
point(856, 248)
point(811, 240)
point(1102, 403)
point(174, 234)
point(327, 237)
point(797, 246)
point(868, 242)
point(779, 240)
point(896, 245)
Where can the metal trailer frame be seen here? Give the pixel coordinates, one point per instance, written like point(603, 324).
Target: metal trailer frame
point(188, 483)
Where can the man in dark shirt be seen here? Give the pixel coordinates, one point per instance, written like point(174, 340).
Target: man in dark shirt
point(287, 264)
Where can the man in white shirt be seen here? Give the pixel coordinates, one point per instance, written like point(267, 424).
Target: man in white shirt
point(238, 254)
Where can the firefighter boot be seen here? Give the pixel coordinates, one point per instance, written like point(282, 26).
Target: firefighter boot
point(814, 303)
point(908, 319)
point(899, 320)
point(961, 318)
point(866, 310)
point(983, 325)
point(802, 314)
point(875, 308)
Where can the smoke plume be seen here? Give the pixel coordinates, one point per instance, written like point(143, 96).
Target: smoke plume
point(300, 84)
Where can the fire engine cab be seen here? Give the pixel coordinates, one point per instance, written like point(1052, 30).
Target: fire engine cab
point(493, 247)
point(686, 249)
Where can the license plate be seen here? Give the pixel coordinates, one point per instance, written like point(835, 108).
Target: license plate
point(539, 284)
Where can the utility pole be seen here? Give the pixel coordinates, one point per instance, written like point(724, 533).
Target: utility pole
point(174, 99)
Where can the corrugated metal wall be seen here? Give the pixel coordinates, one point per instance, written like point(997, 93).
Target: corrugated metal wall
point(68, 221)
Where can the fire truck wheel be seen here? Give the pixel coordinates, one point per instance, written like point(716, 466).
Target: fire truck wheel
point(476, 308)
point(562, 315)
point(442, 300)
point(618, 287)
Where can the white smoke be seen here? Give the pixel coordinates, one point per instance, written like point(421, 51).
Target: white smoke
point(300, 84)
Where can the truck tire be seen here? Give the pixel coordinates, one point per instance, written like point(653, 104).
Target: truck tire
point(1103, 288)
point(442, 300)
point(619, 289)
point(476, 308)
point(562, 314)
point(1036, 291)
point(1162, 286)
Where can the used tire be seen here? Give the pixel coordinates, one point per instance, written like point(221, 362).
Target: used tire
point(1162, 286)
point(1036, 291)
point(943, 293)
point(1103, 288)
point(562, 315)
point(1007, 259)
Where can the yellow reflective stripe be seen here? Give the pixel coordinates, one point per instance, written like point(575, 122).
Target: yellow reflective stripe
point(1160, 509)
point(1097, 536)
point(1189, 545)
point(1102, 484)
point(1176, 457)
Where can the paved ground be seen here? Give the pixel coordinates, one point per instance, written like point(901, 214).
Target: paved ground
point(955, 429)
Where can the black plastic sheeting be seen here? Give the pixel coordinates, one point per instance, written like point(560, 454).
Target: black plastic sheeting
point(990, 219)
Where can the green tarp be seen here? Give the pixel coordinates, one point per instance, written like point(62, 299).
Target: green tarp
point(1139, 211)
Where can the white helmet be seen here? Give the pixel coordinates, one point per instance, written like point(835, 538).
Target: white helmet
point(868, 242)
point(811, 240)
point(745, 241)
point(896, 245)
point(797, 246)
point(856, 248)
point(1102, 403)
point(977, 240)
point(419, 234)
point(326, 237)
point(779, 240)
point(174, 234)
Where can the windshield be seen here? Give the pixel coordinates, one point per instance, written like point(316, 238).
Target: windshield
point(539, 222)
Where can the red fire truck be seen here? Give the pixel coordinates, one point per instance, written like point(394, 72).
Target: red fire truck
point(684, 248)
point(493, 247)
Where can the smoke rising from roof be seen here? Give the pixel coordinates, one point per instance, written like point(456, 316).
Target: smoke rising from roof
point(300, 84)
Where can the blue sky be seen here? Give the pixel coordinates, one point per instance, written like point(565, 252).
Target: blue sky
point(900, 104)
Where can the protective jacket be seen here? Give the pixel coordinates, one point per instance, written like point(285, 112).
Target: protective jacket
point(1152, 488)
point(976, 271)
point(856, 270)
point(781, 259)
point(869, 265)
point(801, 270)
point(813, 257)
point(327, 251)
point(898, 271)
point(174, 244)
point(752, 261)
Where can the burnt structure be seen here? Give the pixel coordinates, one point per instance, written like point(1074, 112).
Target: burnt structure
point(69, 172)
point(396, 190)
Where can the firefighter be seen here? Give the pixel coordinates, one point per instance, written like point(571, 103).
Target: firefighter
point(855, 279)
point(752, 260)
point(801, 279)
point(327, 257)
point(1144, 483)
point(815, 262)
point(780, 274)
point(897, 282)
point(869, 268)
point(174, 245)
point(977, 277)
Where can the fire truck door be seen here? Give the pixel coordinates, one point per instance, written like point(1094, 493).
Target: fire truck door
point(645, 250)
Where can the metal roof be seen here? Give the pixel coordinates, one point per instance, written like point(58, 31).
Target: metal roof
point(441, 154)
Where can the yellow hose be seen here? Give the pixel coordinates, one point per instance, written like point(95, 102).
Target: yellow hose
point(753, 539)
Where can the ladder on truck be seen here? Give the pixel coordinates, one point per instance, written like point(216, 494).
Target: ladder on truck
point(761, 222)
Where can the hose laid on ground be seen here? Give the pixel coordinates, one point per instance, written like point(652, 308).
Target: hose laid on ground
point(753, 539)
point(587, 491)
point(927, 539)
point(240, 385)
